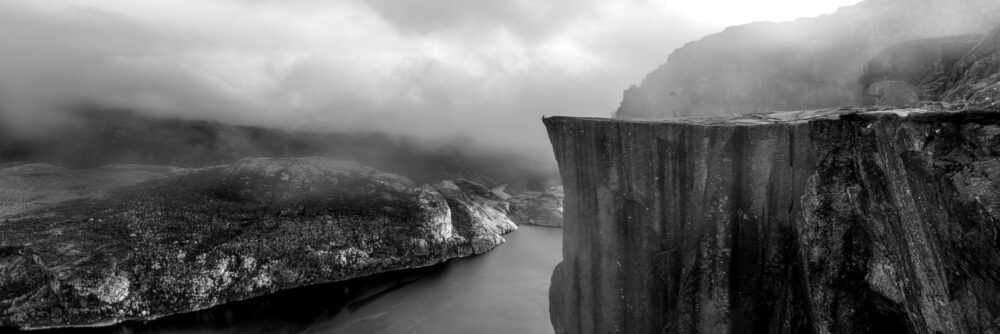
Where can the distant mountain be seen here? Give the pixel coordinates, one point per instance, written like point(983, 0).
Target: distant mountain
point(956, 72)
point(802, 64)
point(99, 137)
point(914, 71)
point(976, 78)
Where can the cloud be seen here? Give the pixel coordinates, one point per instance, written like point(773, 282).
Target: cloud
point(440, 69)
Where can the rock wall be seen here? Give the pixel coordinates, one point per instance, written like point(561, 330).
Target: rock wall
point(830, 221)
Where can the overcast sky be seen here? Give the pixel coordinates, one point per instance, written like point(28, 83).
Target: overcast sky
point(486, 70)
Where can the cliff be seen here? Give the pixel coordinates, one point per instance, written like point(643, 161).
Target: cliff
point(826, 221)
point(803, 64)
point(95, 247)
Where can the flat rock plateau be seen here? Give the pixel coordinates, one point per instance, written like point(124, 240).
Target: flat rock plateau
point(822, 221)
point(135, 242)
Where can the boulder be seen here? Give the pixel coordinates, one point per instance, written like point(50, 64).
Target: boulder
point(166, 241)
point(892, 93)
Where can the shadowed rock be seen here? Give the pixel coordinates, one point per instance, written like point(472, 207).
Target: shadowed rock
point(825, 221)
point(184, 240)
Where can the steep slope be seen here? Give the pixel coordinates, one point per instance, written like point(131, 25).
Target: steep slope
point(78, 250)
point(955, 72)
point(828, 221)
point(976, 78)
point(920, 68)
point(803, 64)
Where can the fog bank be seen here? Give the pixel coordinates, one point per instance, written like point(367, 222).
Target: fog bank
point(433, 69)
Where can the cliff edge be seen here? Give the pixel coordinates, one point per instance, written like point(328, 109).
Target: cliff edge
point(823, 221)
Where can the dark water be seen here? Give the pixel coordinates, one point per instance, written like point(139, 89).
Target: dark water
point(503, 291)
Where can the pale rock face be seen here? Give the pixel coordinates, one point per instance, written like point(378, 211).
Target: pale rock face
point(100, 246)
point(823, 221)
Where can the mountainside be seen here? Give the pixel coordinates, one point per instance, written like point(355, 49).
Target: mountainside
point(914, 71)
point(803, 64)
point(953, 72)
point(97, 137)
point(96, 247)
point(976, 78)
point(827, 221)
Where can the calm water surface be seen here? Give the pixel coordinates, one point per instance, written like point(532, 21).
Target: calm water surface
point(503, 291)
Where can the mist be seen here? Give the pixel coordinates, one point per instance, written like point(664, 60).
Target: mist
point(436, 70)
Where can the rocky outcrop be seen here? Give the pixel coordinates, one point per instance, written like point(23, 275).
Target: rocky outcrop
point(976, 78)
point(914, 71)
point(802, 64)
point(78, 251)
point(537, 208)
point(961, 72)
point(827, 221)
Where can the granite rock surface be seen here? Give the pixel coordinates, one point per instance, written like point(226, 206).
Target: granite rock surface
point(823, 221)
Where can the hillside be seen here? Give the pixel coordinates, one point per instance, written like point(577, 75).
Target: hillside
point(803, 64)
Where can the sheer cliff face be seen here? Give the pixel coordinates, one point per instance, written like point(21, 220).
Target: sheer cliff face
point(807, 222)
point(803, 64)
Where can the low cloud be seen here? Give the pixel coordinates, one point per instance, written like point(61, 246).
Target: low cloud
point(438, 69)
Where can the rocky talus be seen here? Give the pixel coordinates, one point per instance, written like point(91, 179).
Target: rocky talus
point(94, 247)
point(824, 221)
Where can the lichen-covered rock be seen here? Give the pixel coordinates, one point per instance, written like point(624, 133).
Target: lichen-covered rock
point(537, 208)
point(827, 221)
point(190, 239)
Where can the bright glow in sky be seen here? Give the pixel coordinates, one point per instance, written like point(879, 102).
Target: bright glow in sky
point(486, 70)
point(732, 12)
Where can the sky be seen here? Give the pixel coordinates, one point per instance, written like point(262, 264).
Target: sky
point(483, 71)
